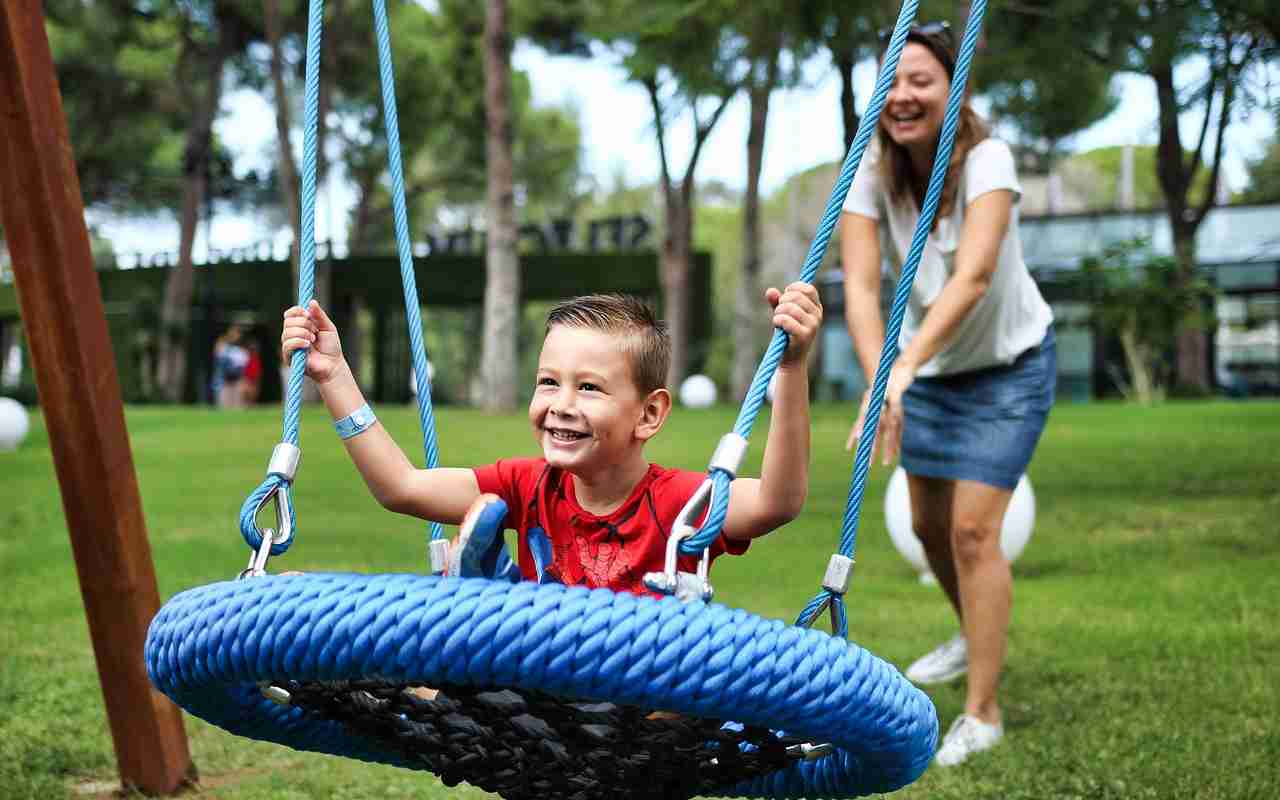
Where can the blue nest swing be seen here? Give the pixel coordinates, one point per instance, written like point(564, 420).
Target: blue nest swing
point(545, 690)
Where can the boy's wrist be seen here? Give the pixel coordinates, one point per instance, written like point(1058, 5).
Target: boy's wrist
point(342, 372)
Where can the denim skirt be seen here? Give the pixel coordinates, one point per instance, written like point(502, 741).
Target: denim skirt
point(981, 425)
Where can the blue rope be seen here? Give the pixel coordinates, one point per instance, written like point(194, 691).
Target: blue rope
point(862, 460)
point(412, 307)
point(777, 346)
point(941, 162)
point(306, 277)
point(306, 267)
point(751, 405)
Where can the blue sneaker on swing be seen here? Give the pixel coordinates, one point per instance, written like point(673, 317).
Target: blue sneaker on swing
point(480, 550)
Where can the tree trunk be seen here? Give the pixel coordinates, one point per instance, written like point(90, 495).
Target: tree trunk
point(844, 59)
point(1176, 177)
point(362, 214)
point(498, 390)
point(675, 260)
point(175, 314)
point(748, 311)
point(1192, 361)
point(1141, 377)
point(677, 248)
point(287, 164)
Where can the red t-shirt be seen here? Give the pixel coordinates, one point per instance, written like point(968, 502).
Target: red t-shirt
point(613, 551)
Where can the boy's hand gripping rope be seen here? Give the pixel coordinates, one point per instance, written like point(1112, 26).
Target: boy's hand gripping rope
point(278, 482)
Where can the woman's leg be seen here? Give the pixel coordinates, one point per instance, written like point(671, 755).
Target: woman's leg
point(985, 589)
point(931, 501)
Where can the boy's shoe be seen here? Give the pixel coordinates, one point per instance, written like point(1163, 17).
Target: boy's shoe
point(968, 735)
point(480, 551)
point(945, 662)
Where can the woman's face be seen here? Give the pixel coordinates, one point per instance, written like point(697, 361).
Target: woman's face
point(917, 100)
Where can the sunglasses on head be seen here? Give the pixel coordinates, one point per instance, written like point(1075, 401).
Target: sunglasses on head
point(939, 30)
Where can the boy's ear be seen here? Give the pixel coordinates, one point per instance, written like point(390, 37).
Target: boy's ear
point(653, 414)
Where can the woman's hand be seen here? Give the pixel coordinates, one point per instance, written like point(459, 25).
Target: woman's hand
point(312, 328)
point(889, 435)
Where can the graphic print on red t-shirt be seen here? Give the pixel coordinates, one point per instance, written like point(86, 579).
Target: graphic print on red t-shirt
point(614, 550)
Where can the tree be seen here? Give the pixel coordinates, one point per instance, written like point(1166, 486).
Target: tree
point(210, 35)
point(767, 31)
point(1095, 176)
point(689, 68)
point(1264, 174)
point(1156, 38)
point(1020, 72)
point(850, 34)
point(499, 360)
point(114, 62)
point(286, 164)
point(1142, 300)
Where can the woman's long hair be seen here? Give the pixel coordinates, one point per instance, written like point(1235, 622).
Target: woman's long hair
point(895, 164)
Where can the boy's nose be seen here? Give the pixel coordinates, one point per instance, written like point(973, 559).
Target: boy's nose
point(562, 404)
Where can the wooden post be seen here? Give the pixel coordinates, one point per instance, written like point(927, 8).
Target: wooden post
point(80, 396)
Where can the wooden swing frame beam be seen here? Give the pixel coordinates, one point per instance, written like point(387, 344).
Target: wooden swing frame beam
point(66, 330)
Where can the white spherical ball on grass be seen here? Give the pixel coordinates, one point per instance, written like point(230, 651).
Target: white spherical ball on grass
point(698, 391)
point(13, 423)
point(1019, 520)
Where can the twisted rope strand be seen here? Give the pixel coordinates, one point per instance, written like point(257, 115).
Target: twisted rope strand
point(754, 400)
point(306, 278)
point(941, 162)
point(412, 307)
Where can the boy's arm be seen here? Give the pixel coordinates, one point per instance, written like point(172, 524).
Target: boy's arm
point(443, 494)
point(440, 494)
point(758, 506)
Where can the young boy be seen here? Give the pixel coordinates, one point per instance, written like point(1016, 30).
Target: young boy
point(592, 510)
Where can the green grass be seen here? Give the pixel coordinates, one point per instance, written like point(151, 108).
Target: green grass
point(1143, 649)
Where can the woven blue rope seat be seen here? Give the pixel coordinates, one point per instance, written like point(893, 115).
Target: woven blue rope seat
point(210, 649)
point(541, 691)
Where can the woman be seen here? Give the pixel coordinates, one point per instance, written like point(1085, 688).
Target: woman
point(974, 380)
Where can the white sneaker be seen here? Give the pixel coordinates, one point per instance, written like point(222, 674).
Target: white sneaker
point(945, 662)
point(968, 735)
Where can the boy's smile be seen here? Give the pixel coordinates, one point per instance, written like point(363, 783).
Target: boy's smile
point(585, 405)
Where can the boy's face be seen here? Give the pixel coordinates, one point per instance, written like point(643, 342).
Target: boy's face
point(587, 412)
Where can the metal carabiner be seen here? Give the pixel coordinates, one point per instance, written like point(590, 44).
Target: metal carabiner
point(282, 533)
point(683, 585)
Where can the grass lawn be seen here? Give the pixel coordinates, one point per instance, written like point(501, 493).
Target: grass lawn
point(1143, 651)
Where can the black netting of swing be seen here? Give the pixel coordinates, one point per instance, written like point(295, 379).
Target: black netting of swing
point(529, 744)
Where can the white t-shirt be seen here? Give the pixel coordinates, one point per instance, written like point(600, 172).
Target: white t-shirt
point(1011, 316)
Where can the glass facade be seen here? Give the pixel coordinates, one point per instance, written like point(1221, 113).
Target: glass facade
point(1239, 252)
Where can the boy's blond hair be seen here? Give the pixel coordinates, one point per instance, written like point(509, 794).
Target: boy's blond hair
point(646, 342)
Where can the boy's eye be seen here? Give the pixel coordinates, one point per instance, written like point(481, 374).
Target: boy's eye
point(546, 382)
point(589, 387)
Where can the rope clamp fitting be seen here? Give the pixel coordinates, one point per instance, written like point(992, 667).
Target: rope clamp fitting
point(729, 453)
point(439, 549)
point(683, 585)
point(839, 574)
point(283, 531)
point(284, 461)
